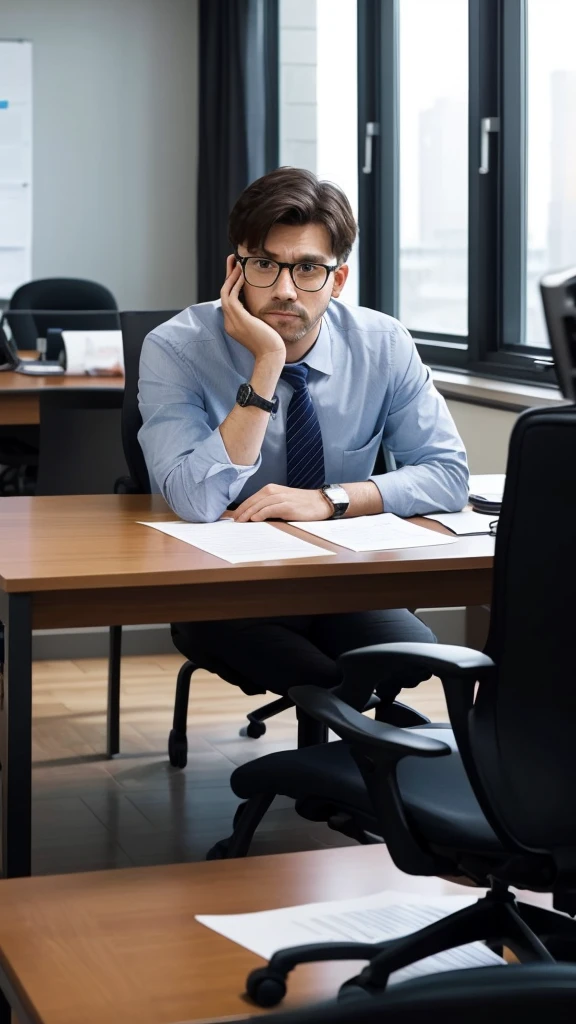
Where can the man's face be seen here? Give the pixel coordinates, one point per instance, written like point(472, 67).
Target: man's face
point(293, 313)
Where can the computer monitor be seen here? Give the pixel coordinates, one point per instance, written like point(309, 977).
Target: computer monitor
point(558, 292)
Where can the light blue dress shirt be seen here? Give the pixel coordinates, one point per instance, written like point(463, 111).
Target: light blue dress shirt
point(368, 386)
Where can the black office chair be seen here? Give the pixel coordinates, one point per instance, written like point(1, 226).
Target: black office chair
point(495, 994)
point(135, 327)
point(81, 453)
point(494, 800)
point(79, 301)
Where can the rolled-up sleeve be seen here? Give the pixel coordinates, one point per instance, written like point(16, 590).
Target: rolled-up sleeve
point(186, 458)
point(432, 473)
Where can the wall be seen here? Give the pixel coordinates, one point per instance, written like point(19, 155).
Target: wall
point(486, 433)
point(115, 130)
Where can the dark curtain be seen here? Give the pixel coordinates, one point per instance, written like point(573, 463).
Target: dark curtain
point(238, 73)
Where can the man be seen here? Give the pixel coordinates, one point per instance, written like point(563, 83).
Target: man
point(274, 402)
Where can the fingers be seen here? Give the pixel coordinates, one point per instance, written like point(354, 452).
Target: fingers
point(282, 510)
point(256, 504)
point(233, 277)
point(267, 495)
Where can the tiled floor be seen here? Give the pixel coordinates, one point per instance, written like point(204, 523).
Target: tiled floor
point(91, 813)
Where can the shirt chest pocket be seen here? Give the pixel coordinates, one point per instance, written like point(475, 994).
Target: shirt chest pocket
point(359, 464)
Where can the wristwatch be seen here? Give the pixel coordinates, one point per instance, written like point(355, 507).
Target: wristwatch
point(247, 396)
point(337, 497)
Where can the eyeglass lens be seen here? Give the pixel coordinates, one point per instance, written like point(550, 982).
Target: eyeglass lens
point(262, 273)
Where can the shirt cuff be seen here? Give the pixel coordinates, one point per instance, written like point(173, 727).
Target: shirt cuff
point(211, 457)
point(393, 492)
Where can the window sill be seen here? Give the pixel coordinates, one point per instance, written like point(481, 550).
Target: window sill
point(496, 394)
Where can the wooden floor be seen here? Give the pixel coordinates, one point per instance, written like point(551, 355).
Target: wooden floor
point(90, 813)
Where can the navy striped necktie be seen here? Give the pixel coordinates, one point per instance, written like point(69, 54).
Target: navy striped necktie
point(304, 448)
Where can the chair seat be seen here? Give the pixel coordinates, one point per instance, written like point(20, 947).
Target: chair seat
point(435, 792)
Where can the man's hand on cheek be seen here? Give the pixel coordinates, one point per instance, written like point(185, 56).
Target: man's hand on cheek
point(277, 502)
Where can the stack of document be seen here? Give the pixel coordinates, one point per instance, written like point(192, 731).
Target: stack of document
point(97, 353)
point(384, 532)
point(241, 542)
point(260, 542)
point(376, 918)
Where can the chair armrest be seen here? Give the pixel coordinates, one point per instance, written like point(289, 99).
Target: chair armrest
point(354, 727)
point(367, 665)
point(126, 485)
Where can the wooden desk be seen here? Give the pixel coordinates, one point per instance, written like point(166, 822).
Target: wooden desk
point(85, 561)
point(20, 394)
point(124, 945)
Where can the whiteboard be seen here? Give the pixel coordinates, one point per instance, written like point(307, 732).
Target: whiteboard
point(15, 165)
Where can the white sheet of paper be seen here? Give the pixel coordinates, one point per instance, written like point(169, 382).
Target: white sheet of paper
point(464, 523)
point(487, 485)
point(376, 918)
point(241, 542)
point(40, 369)
point(375, 533)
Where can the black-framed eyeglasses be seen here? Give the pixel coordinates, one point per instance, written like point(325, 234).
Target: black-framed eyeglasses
point(260, 272)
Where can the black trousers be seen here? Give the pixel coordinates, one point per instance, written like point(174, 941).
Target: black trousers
point(278, 653)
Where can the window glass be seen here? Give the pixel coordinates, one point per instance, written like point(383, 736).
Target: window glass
point(433, 110)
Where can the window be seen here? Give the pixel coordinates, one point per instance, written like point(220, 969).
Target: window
point(318, 97)
point(472, 190)
point(433, 95)
point(551, 150)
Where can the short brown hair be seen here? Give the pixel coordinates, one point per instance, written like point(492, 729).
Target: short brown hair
point(291, 195)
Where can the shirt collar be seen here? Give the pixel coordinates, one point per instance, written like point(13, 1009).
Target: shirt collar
point(320, 356)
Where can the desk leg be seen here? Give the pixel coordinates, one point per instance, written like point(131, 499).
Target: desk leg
point(16, 736)
point(113, 712)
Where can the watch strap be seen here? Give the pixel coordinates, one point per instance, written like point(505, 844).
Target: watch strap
point(247, 396)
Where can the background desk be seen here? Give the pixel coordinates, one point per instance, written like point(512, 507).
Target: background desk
point(85, 561)
point(124, 945)
point(19, 405)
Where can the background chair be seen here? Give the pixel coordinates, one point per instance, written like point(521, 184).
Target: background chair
point(81, 453)
point(135, 327)
point(66, 295)
point(495, 800)
point(500, 995)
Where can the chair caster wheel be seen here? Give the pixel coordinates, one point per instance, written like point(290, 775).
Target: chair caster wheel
point(177, 749)
point(219, 851)
point(265, 987)
point(254, 730)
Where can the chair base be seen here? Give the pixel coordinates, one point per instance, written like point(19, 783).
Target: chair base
point(533, 935)
point(246, 820)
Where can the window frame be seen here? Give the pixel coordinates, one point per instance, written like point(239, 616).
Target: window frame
point(497, 207)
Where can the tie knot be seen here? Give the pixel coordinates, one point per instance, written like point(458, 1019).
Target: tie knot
point(296, 374)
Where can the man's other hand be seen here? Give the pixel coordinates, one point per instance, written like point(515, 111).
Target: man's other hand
point(277, 502)
point(258, 337)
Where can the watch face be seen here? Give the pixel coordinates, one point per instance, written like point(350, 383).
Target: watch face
point(243, 396)
point(337, 495)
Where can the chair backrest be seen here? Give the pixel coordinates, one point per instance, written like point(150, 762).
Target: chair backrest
point(135, 327)
point(522, 726)
point(473, 996)
point(558, 291)
point(65, 295)
point(80, 449)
